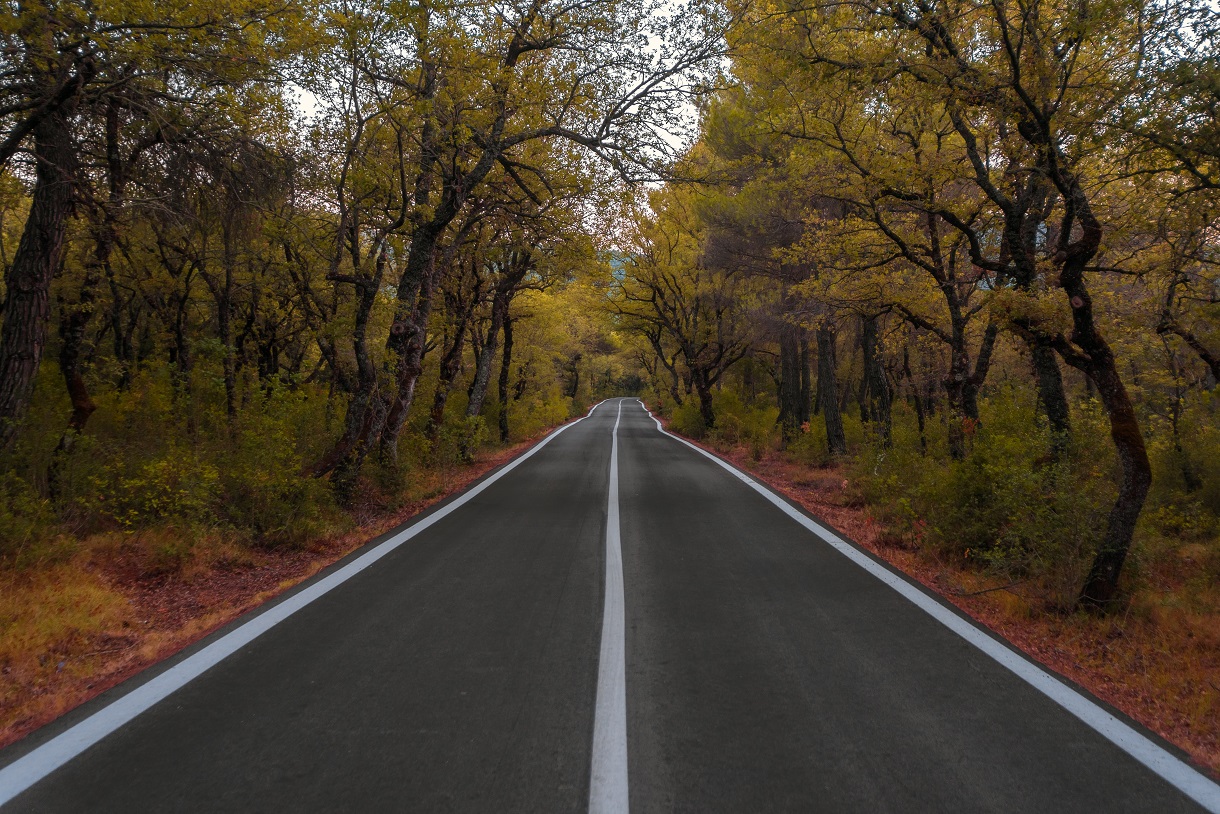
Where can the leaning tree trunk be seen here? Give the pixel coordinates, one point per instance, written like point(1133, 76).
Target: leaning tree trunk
point(28, 281)
point(828, 397)
point(1088, 351)
point(1101, 585)
point(347, 455)
point(411, 367)
point(451, 363)
point(73, 322)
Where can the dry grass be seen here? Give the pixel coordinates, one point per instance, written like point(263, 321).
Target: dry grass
point(121, 602)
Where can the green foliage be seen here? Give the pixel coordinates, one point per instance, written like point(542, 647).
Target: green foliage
point(1005, 507)
point(687, 420)
point(809, 447)
point(740, 423)
point(263, 488)
point(537, 412)
point(177, 485)
point(1185, 497)
point(152, 460)
point(26, 519)
point(461, 436)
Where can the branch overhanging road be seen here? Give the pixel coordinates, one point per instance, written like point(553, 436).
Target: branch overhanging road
point(488, 657)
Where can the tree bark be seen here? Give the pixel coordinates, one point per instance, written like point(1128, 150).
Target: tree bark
point(789, 381)
point(450, 364)
point(1051, 398)
point(412, 366)
point(487, 356)
point(505, 362)
point(703, 388)
point(878, 397)
point(806, 380)
point(28, 280)
point(828, 397)
point(1088, 351)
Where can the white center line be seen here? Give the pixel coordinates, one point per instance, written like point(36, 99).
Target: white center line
point(608, 785)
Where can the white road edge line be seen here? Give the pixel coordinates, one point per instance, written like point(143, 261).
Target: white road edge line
point(29, 769)
point(1172, 769)
point(608, 779)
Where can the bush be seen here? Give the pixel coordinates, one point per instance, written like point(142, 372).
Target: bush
point(26, 520)
point(1004, 507)
point(741, 423)
point(262, 487)
point(178, 485)
point(535, 413)
point(687, 420)
point(461, 436)
point(1185, 497)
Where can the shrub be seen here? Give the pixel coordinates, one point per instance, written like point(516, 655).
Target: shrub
point(741, 423)
point(1004, 507)
point(537, 412)
point(809, 446)
point(26, 519)
point(687, 420)
point(178, 485)
point(263, 490)
point(461, 436)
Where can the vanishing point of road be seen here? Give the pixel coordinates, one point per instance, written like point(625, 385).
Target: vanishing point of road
point(613, 621)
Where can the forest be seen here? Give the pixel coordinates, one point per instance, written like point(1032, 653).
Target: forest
point(272, 267)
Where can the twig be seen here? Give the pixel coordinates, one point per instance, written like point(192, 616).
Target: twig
point(989, 590)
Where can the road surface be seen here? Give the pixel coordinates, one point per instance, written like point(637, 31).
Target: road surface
point(547, 643)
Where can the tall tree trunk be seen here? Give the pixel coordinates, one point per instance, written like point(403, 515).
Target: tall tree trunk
point(505, 361)
point(224, 330)
point(411, 367)
point(23, 336)
point(574, 371)
point(789, 381)
point(877, 386)
point(915, 399)
point(1101, 585)
point(347, 455)
point(74, 320)
point(806, 380)
point(1088, 351)
point(703, 389)
point(451, 362)
point(828, 396)
point(1051, 398)
point(487, 356)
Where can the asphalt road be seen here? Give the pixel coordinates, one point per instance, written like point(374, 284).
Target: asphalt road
point(764, 671)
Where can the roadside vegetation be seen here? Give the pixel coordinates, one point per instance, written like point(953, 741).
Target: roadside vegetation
point(956, 264)
point(276, 275)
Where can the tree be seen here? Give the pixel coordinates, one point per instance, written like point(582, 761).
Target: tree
point(66, 70)
point(669, 293)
